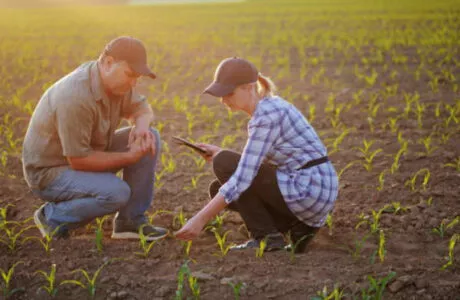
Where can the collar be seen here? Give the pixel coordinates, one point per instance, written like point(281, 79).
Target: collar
point(97, 88)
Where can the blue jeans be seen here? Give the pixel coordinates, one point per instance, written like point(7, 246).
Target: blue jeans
point(75, 198)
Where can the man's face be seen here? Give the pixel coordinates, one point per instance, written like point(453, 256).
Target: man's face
point(119, 77)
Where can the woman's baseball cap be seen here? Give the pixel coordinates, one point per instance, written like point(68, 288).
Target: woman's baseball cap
point(230, 73)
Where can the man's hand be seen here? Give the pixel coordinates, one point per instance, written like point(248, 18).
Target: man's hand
point(137, 150)
point(211, 149)
point(144, 138)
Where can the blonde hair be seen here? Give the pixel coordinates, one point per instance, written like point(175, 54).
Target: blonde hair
point(265, 86)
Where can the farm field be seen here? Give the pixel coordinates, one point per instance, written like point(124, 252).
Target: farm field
point(378, 80)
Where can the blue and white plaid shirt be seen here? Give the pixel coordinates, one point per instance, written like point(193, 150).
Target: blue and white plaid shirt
point(279, 134)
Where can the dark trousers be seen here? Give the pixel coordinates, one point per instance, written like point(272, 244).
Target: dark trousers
point(261, 206)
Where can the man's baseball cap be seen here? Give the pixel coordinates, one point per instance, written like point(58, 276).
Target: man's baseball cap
point(132, 51)
point(230, 73)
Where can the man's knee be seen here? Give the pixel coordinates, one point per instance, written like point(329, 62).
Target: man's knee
point(119, 194)
point(224, 164)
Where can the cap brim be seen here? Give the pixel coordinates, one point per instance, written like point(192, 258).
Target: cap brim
point(218, 90)
point(143, 70)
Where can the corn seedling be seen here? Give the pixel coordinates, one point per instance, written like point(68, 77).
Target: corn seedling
point(12, 234)
point(412, 182)
point(427, 143)
point(374, 223)
point(145, 245)
point(453, 240)
point(335, 294)
point(236, 288)
point(329, 222)
point(368, 155)
point(381, 180)
point(394, 208)
point(261, 250)
point(381, 249)
point(46, 240)
point(184, 270)
point(7, 276)
point(376, 288)
point(395, 165)
point(217, 222)
point(293, 246)
point(51, 288)
point(90, 280)
point(197, 160)
point(179, 219)
point(455, 164)
point(221, 240)
point(194, 287)
point(100, 232)
point(346, 168)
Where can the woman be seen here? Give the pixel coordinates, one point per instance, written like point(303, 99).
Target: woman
point(283, 184)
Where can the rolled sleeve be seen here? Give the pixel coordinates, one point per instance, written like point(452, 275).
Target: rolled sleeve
point(262, 135)
point(74, 123)
point(133, 103)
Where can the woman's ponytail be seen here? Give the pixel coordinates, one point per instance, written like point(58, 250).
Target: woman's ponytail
point(265, 86)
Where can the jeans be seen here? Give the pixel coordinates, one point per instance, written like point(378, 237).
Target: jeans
point(75, 198)
point(261, 206)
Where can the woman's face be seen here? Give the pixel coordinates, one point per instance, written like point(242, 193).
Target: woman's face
point(238, 99)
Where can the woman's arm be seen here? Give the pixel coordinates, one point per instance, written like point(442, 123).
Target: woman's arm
point(195, 225)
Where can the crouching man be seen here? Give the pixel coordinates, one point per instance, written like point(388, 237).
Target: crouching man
point(72, 150)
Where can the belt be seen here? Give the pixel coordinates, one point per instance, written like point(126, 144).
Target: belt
point(314, 162)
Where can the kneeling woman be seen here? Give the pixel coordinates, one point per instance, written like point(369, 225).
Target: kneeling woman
point(283, 184)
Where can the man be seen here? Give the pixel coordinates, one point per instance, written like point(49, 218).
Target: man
point(72, 149)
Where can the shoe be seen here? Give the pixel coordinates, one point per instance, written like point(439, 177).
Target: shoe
point(126, 230)
point(46, 229)
point(300, 240)
point(275, 241)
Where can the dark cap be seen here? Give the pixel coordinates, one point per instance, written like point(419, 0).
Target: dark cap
point(230, 73)
point(132, 51)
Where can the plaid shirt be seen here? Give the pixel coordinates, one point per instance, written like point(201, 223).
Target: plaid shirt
point(279, 134)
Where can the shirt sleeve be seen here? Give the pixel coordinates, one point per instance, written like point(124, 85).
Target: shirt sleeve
point(133, 103)
point(74, 124)
point(262, 135)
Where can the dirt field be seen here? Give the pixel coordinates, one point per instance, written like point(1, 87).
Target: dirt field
point(361, 72)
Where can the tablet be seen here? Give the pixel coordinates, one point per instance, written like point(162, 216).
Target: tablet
point(182, 141)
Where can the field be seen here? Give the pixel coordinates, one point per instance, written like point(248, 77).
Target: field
point(379, 81)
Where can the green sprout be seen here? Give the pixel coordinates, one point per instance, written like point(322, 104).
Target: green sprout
point(455, 238)
point(336, 294)
point(91, 280)
point(145, 245)
point(262, 246)
point(51, 288)
point(7, 276)
point(221, 241)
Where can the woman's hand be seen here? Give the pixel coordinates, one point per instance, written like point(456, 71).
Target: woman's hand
point(191, 229)
point(211, 149)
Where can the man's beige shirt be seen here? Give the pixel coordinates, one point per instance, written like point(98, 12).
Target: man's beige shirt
point(74, 117)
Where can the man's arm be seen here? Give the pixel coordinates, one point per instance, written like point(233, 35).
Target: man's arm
point(99, 161)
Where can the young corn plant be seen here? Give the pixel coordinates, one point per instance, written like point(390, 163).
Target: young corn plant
point(335, 294)
point(145, 245)
point(236, 288)
point(50, 278)
point(453, 240)
point(221, 241)
point(455, 164)
point(395, 208)
point(395, 165)
point(427, 142)
point(194, 286)
point(376, 288)
point(374, 223)
point(413, 180)
point(368, 154)
point(381, 249)
point(180, 219)
point(7, 275)
point(329, 222)
point(261, 250)
point(217, 222)
point(12, 234)
point(90, 280)
point(45, 241)
point(100, 232)
point(444, 226)
point(184, 271)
